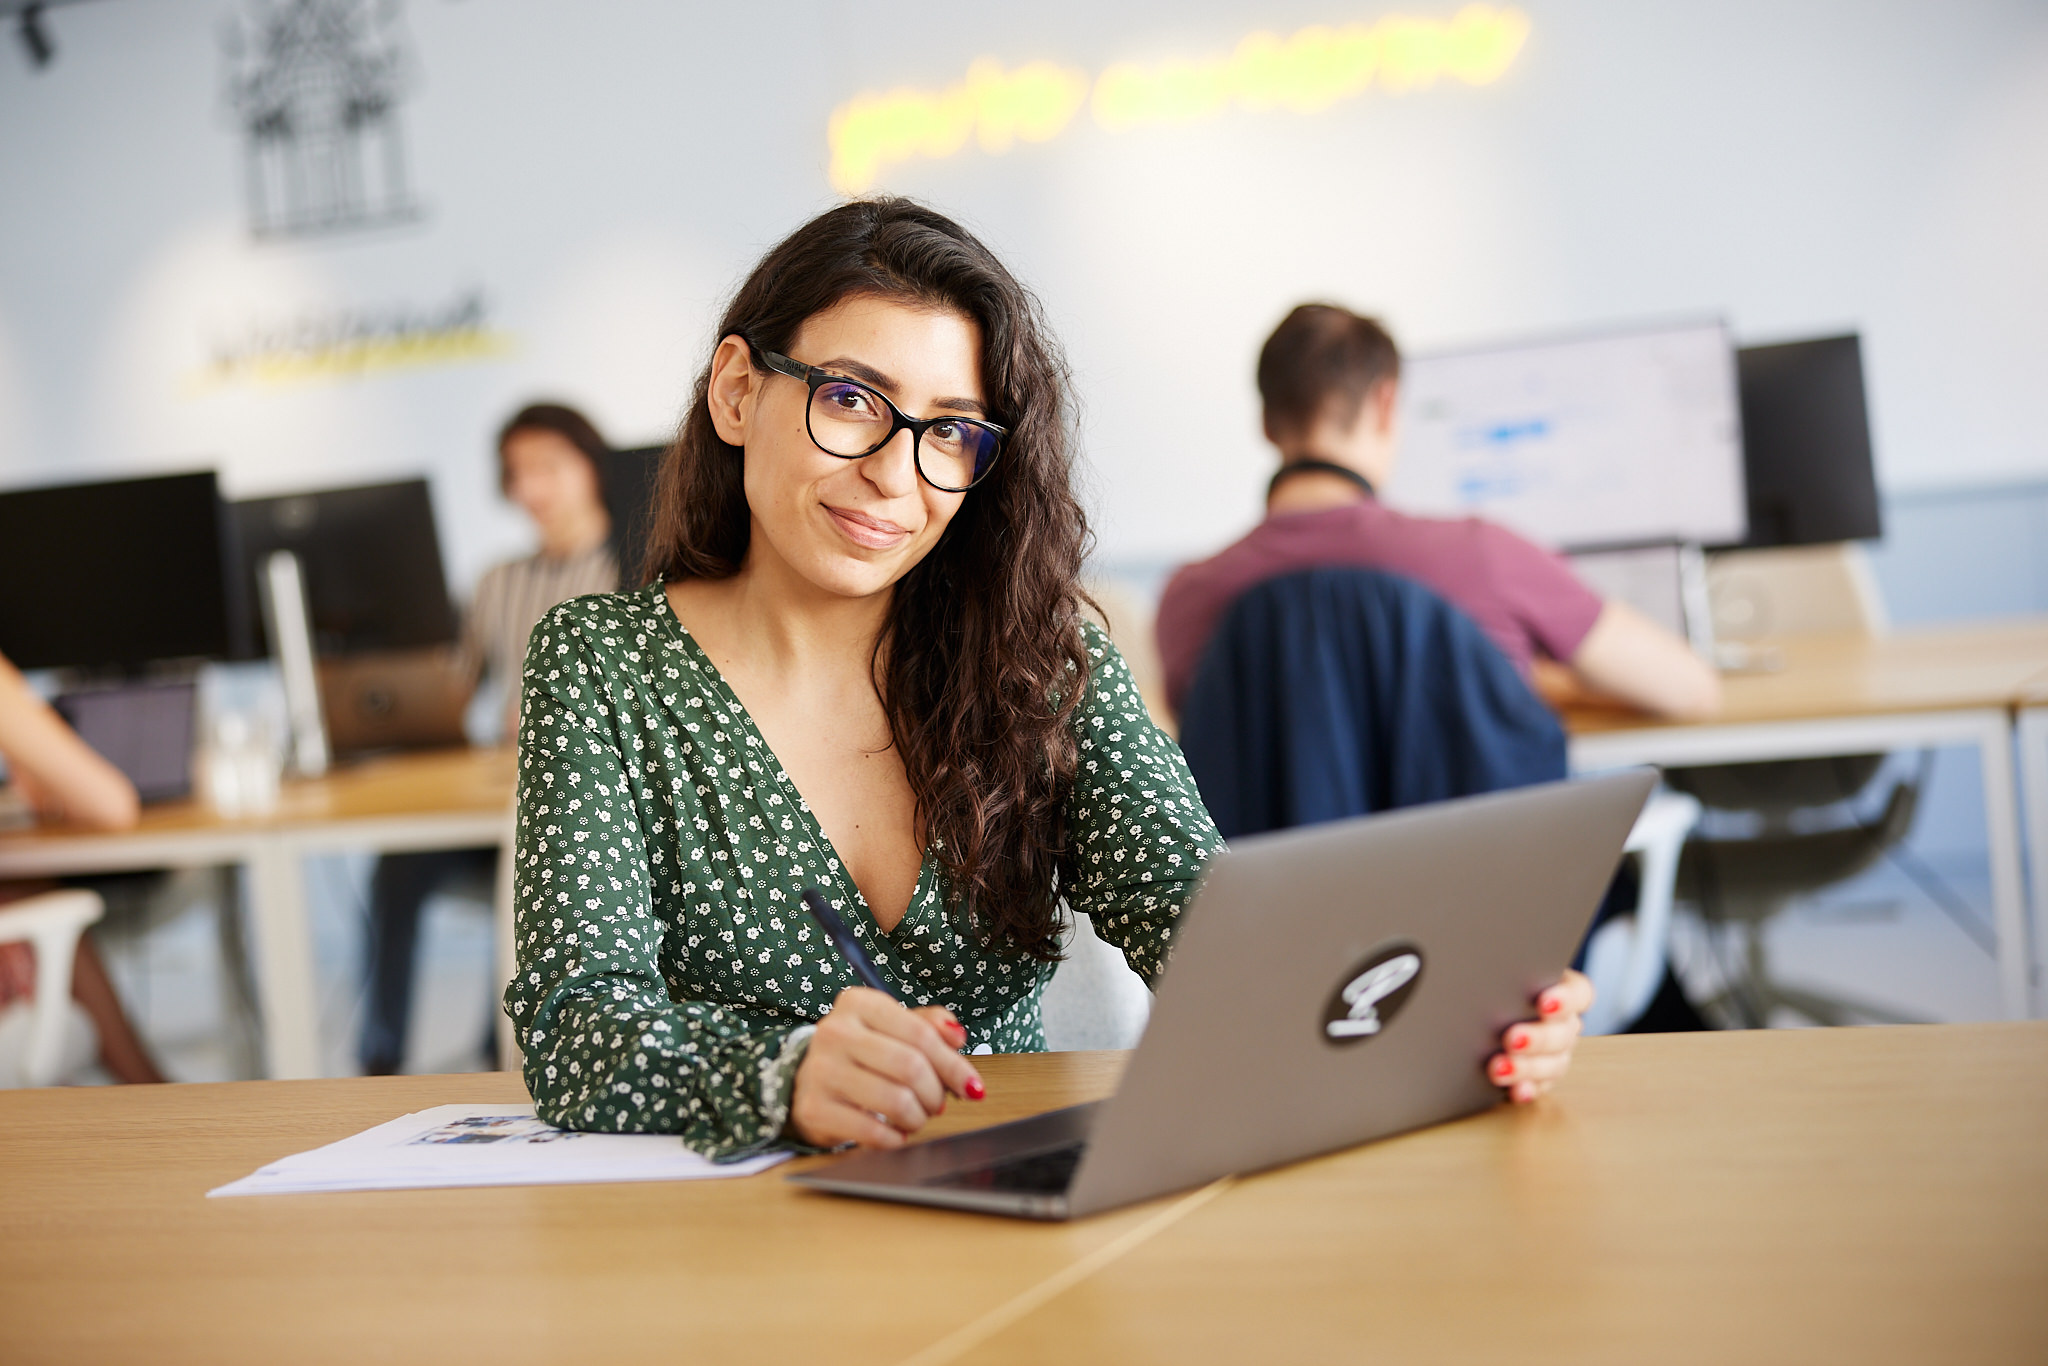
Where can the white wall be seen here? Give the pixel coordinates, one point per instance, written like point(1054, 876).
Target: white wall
point(605, 170)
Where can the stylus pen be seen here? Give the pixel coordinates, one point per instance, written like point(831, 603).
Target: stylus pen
point(842, 939)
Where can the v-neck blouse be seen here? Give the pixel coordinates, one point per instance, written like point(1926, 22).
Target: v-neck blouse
point(668, 978)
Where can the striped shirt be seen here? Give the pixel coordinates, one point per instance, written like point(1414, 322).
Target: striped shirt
point(511, 598)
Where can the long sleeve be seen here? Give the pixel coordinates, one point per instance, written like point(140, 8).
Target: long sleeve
point(1143, 836)
point(607, 1046)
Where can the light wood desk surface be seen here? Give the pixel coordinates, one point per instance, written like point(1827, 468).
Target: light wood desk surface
point(1952, 668)
point(434, 783)
point(1872, 1196)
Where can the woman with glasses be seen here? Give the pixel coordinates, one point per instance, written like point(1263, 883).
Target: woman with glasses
point(863, 668)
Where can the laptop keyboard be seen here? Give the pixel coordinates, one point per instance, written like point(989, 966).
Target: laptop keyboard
point(1046, 1173)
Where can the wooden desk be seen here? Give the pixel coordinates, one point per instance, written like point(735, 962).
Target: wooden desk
point(1853, 694)
point(448, 799)
point(1874, 1195)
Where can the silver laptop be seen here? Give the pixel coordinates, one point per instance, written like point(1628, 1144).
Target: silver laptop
point(1332, 985)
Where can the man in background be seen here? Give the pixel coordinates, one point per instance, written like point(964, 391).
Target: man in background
point(1329, 380)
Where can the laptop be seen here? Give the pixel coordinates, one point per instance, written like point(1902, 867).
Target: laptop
point(1332, 985)
point(398, 699)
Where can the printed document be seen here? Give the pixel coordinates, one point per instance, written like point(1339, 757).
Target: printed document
point(485, 1145)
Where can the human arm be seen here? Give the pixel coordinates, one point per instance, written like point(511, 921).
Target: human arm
point(1614, 653)
point(1629, 657)
point(606, 1045)
point(1141, 834)
point(61, 774)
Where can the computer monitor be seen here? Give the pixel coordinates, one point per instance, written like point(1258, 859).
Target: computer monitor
point(371, 563)
point(628, 478)
point(1806, 443)
point(1627, 437)
point(114, 575)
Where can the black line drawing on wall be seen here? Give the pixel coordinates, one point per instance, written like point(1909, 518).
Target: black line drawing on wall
point(316, 86)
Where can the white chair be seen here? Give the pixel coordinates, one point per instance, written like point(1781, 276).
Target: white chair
point(1629, 954)
point(1094, 1000)
point(52, 924)
point(505, 945)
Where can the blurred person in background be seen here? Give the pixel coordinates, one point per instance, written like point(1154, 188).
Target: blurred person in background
point(1329, 382)
point(64, 779)
point(550, 463)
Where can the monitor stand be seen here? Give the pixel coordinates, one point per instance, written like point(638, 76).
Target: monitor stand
point(291, 637)
point(1697, 604)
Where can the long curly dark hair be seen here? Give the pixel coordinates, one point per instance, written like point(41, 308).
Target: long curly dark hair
point(981, 662)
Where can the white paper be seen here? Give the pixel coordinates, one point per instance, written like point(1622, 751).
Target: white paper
point(485, 1145)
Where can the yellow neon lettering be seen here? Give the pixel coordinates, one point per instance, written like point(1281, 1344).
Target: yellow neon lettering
point(1304, 73)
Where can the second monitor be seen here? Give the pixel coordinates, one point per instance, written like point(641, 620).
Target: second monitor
point(1619, 438)
point(371, 560)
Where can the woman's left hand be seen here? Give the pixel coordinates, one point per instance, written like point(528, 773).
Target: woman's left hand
point(1535, 1053)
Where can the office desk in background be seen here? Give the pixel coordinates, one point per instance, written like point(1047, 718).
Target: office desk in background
point(1854, 694)
point(447, 799)
point(1835, 695)
point(1871, 1195)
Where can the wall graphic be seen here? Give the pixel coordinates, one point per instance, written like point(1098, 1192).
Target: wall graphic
point(316, 86)
point(317, 345)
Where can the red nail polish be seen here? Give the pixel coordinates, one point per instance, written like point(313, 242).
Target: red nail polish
point(974, 1089)
point(957, 1030)
point(1503, 1068)
point(1518, 1041)
point(1551, 1005)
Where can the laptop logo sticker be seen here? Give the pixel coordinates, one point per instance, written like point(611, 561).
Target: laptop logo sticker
point(1372, 994)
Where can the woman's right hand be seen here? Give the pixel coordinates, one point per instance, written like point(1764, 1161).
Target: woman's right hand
point(876, 1072)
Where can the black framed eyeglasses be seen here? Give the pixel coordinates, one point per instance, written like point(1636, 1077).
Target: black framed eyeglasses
point(849, 419)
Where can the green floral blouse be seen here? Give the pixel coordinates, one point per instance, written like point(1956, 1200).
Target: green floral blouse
point(668, 978)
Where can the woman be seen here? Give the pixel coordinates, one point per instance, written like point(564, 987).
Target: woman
point(65, 779)
point(862, 667)
point(550, 462)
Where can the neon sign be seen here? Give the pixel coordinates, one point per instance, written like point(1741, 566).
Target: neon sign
point(1303, 73)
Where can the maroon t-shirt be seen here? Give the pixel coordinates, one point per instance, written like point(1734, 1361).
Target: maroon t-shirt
point(1521, 595)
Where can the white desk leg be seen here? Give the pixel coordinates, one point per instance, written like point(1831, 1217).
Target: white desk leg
point(286, 989)
point(2033, 732)
point(2008, 899)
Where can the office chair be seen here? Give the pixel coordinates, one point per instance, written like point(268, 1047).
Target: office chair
point(1811, 834)
point(59, 1039)
point(1810, 820)
point(1094, 1000)
point(1629, 955)
point(1340, 692)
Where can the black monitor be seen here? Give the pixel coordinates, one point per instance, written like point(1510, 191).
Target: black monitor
point(371, 562)
point(114, 576)
point(628, 478)
point(1806, 443)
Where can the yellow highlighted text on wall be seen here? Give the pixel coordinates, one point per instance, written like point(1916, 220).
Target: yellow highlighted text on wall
point(1303, 73)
